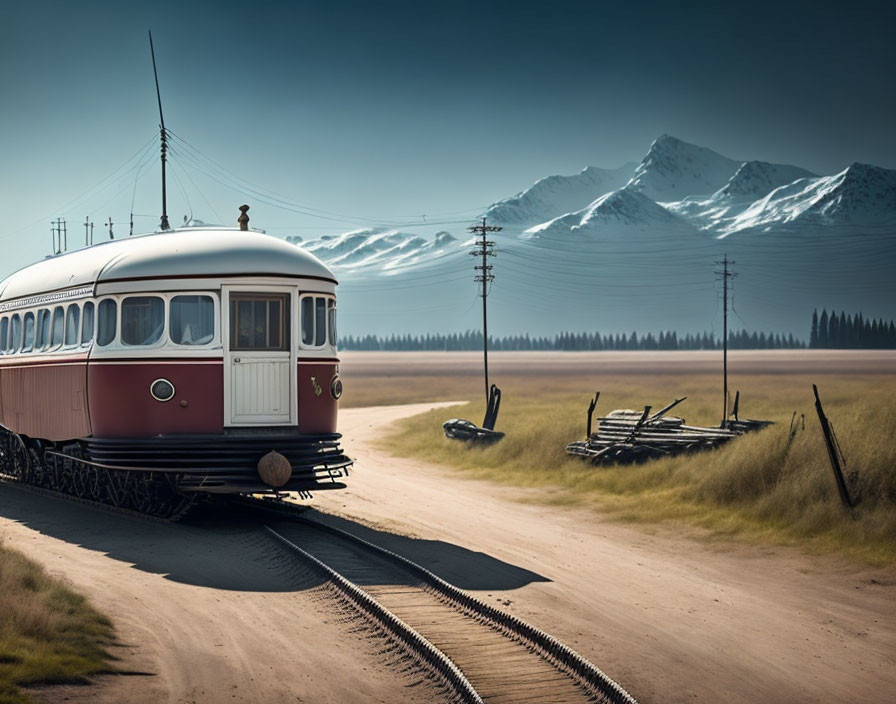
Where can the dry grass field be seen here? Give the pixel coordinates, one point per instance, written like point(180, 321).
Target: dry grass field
point(759, 487)
point(48, 634)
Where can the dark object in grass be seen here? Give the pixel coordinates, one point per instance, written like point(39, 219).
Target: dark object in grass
point(743, 426)
point(468, 431)
point(835, 454)
point(628, 437)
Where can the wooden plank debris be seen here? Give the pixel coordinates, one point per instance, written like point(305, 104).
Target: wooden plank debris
point(625, 436)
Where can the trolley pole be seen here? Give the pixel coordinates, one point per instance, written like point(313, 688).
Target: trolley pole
point(725, 275)
point(484, 249)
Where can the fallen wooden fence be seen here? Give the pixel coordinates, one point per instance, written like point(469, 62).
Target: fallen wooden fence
point(626, 436)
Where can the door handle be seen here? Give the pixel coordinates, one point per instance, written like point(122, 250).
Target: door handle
point(236, 360)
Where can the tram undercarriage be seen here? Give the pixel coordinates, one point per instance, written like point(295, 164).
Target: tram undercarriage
point(164, 476)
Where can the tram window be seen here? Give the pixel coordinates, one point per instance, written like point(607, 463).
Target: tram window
point(259, 322)
point(317, 312)
point(142, 320)
point(4, 333)
point(308, 321)
point(28, 344)
point(72, 321)
point(43, 329)
point(331, 320)
point(15, 338)
point(57, 332)
point(87, 324)
point(320, 322)
point(107, 315)
point(191, 320)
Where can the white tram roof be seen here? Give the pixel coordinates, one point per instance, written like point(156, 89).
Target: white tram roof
point(182, 252)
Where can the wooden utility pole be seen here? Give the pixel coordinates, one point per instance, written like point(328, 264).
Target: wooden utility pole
point(725, 275)
point(484, 249)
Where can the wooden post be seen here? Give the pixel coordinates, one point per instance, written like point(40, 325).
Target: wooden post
point(833, 454)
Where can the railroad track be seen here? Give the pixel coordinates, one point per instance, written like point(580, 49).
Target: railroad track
point(479, 653)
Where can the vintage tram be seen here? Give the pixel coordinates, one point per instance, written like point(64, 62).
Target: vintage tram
point(147, 371)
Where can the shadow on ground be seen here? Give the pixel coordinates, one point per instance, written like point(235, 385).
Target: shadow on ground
point(455, 564)
point(222, 549)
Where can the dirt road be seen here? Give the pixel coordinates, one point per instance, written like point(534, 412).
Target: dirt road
point(204, 613)
point(671, 617)
point(209, 613)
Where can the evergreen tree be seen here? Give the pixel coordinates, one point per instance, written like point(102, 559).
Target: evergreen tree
point(813, 335)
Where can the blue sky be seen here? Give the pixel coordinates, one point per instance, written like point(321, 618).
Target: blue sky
point(390, 110)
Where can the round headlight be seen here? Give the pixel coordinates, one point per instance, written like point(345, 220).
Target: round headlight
point(162, 390)
point(336, 387)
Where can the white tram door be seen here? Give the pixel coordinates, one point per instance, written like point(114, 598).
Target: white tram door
point(259, 357)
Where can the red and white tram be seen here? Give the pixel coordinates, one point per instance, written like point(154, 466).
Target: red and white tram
point(146, 370)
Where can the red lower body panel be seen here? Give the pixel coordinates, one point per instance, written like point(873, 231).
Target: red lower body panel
point(46, 400)
point(122, 406)
point(317, 407)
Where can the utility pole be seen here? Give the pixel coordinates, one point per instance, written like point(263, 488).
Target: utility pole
point(484, 249)
point(725, 275)
point(57, 231)
point(163, 133)
point(110, 224)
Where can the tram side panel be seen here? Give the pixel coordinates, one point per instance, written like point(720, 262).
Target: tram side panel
point(317, 405)
point(122, 404)
point(46, 400)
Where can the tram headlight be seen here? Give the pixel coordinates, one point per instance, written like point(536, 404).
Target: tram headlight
point(162, 390)
point(336, 387)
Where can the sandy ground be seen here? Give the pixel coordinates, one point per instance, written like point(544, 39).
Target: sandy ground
point(204, 613)
point(208, 613)
point(672, 617)
point(372, 364)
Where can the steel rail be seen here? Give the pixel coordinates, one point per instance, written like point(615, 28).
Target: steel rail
point(558, 654)
point(431, 656)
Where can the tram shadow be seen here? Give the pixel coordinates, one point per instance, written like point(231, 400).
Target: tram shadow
point(222, 550)
point(460, 566)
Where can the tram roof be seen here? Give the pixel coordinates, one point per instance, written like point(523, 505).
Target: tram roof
point(177, 253)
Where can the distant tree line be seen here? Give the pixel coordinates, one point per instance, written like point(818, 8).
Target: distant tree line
point(569, 341)
point(850, 332)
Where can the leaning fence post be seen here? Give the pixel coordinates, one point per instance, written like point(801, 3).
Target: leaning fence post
point(832, 451)
point(591, 407)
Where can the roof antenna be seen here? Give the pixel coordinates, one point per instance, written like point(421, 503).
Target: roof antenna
point(164, 135)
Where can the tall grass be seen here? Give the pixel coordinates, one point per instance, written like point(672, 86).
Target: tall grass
point(761, 486)
point(48, 633)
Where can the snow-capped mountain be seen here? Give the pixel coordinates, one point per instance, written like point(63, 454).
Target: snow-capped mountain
point(557, 195)
point(379, 248)
point(859, 195)
point(754, 179)
point(672, 170)
point(623, 209)
point(635, 248)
